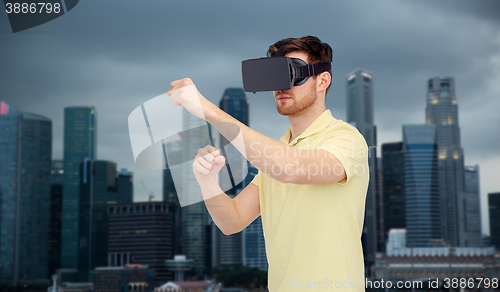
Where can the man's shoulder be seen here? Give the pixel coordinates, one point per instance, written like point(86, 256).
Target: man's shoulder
point(340, 126)
point(341, 134)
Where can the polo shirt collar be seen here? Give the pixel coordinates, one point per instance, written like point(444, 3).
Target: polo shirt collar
point(319, 124)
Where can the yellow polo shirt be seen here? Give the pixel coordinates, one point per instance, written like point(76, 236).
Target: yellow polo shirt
point(313, 231)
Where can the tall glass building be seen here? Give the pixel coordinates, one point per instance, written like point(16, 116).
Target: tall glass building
point(10, 118)
point(79, 143)
point(25, 164)
point(174, 148)
point(125, 187)
point(194, 217)
point(442, 111)
point(235, 103)
point(57, 174)
point(254, 246)
point(97, 182)
point(421, 185)
point(393, 183)
point(494, 212)
point(359, 101)
point(472, 206)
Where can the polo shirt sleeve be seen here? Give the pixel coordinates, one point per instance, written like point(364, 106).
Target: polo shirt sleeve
point(257, 179)
point(350, 148)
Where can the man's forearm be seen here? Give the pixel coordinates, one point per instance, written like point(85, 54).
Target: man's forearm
point(221, 207)
point(256, 147)
point(273, 158)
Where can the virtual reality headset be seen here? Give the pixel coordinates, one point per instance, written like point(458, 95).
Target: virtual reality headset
point(278, 73)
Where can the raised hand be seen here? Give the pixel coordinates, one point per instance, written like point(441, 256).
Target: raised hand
point(184, 93)
point(207, 163)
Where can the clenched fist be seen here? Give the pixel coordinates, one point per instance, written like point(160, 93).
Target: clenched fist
point(184, 93)
point(207, 163)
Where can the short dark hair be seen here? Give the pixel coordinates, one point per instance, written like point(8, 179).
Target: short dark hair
point(316, 50)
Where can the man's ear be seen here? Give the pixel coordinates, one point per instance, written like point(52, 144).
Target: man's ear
point(323, 81)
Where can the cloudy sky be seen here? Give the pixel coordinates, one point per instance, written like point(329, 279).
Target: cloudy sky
point(115, 55)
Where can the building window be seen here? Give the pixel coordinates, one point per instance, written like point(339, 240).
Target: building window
point(368, 112)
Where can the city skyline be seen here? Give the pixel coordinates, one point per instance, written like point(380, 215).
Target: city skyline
point(115, 66)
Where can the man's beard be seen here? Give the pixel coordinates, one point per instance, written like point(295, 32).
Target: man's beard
point(297, 105)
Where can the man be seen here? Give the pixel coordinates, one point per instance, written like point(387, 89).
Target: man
point(311, 187)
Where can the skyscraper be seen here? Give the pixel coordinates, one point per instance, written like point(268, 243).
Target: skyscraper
point(25, 164)
point(421, 185)
point(359, 101)
point(125, 187)
point(10, 118)
point(254, 246)
point(472, 206)
point(97, 182)
point(174, 148)
point(235, 103)
point(379, 206)
point(194, 216)
point(169, 193)
point(57, 174)
point(442, 111)
point(494, 210)
point(79, 143)
point(393, 186)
